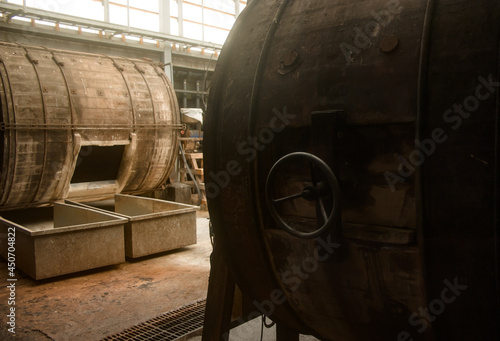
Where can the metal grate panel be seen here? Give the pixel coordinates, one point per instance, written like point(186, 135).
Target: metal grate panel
point(167, 327)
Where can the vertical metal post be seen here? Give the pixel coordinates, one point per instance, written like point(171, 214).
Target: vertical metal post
point(128, 15)
point(237, 8)
point(184, 86)
point(198, 95)
point(164, 16)
point(105, 4)
point(167, 60)
point(220, 297)
point(202, 21)
point(181, 18)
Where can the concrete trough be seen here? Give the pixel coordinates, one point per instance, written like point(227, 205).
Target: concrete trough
point(153, 225)
point(63, 239)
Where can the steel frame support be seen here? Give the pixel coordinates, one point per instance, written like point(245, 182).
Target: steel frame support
point(164, 16)
point(105, 4)
point(181, 18)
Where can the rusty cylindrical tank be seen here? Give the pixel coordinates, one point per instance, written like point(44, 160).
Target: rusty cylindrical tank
point(78, 125)
point(351, 158)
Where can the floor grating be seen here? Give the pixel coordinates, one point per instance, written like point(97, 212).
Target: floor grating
point(167, 327)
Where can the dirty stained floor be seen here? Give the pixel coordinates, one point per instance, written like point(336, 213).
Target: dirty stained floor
point(94, 304)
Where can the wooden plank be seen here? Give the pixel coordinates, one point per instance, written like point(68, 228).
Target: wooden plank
point(197, 156)
point(191, 139)
point(198, 171)
point(194, 160)
point(194, 164)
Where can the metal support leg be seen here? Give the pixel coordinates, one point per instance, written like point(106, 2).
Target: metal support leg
point(283, 333)
point(219, 300)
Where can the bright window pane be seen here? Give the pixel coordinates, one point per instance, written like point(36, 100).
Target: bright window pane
point(174, 8)
point(219, 19)
point(149, 5)
point(222, 5)
point(83, 8)
point(174, 27)
point(192, 30)
point(192, 12)
point(214, 35)
point(144, 20)
point(118, 14)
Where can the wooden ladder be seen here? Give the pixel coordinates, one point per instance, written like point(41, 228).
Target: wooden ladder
point(195, 163)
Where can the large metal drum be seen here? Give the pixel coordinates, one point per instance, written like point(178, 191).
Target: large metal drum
point(351, 158)
point(77, 125)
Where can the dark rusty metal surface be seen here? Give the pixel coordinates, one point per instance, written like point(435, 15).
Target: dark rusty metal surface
point(418, 175)
point(59, 104)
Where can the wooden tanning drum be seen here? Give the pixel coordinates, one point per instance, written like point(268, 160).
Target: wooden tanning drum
point(82, 126)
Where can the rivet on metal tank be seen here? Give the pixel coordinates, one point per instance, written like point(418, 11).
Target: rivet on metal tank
point(389, 44)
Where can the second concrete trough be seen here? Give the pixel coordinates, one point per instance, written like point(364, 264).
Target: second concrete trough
point(153, 226)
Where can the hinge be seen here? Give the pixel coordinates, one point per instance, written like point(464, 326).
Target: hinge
point(31, 59)
point(118, 66)
point(57, 60)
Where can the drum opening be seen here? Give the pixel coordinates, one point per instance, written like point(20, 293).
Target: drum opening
point(98, 163)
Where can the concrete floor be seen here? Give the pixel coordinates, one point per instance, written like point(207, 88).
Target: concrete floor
point(251, 331)
point(94, 304)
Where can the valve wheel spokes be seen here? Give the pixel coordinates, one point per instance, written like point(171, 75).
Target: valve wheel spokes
point(288, 198)
point(324, 186)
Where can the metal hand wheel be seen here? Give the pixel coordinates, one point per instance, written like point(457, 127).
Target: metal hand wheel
point(324, 190)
